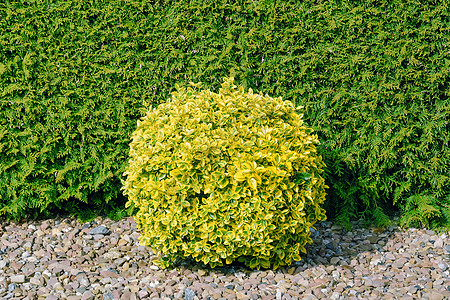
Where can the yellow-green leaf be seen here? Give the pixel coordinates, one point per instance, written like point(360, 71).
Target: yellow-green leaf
point(253, 184)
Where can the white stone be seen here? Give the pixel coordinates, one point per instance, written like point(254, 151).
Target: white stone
point(335, 296)
point(336, 275)
point(47, 273)
point(439, 243)
point(443, 266)
point(126, 238)
point(56, 231)
point(83, 281)
point(112, 255)
point(278, 295)
point(31, 259)
point(17, 278)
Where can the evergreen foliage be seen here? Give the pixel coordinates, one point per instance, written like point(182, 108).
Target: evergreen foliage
point(424, 210)
point(373, 77)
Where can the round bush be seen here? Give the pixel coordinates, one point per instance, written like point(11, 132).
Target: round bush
point(223, 177)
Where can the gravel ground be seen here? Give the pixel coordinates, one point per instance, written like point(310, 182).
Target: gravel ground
point(65, 259)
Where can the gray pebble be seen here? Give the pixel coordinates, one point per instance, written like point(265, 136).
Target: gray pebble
point(12, 287)
point(99, 230)
point(447, 248)
point(113, 270)
point(331, 246)
point(108, 296)
point(314, 233)
point(189, 294)
point(443, 267)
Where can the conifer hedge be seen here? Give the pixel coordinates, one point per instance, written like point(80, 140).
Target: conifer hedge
point(372, 75)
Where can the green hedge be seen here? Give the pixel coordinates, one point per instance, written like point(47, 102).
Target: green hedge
point(373, 76)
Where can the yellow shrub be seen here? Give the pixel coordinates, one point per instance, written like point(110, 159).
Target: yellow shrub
point(225, 177)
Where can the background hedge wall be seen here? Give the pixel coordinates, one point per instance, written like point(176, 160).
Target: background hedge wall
point(373, 77)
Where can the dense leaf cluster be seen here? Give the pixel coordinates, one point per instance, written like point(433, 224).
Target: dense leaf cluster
point(225, 176)
point(373, 77)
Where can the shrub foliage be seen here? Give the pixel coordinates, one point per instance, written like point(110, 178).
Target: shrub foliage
point(225, 177)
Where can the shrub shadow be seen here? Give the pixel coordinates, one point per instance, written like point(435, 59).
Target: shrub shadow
point(332, 245)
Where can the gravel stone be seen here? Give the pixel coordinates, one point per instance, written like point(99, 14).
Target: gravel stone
point(12, 287)
point(17, 278)
point(189, 294)
point(373, 239)
point(87, 295)
point(334, 260)
point(99, 230)
point(65, 259)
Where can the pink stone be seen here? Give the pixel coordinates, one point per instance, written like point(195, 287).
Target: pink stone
point(378, 283)
point(125, 296)
point(107, 273)
point(44, 225)
point(87, 296)
point(439, 243)
point(339, 288)
point(142, 294)
point(116, 294)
